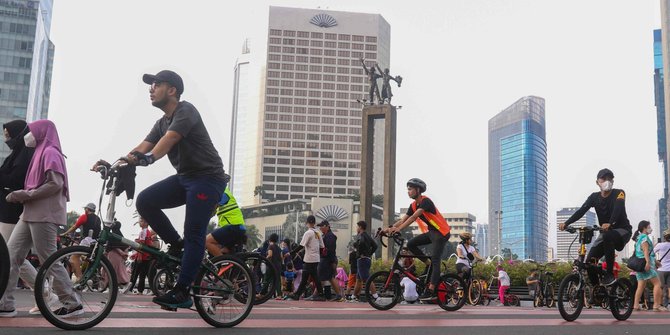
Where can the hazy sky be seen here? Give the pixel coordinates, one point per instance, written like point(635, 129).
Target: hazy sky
point(462, 62)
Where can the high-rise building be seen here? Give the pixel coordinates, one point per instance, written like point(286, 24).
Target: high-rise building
point(26, 58)
point(565, 248)
point(659, 100)
point(311, 120)
point(460, 223)
point(518, 208)
point(482, 239)
point(665, 58)
point(245, 144)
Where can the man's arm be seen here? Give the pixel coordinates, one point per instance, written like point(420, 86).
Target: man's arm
point(165, 144)
point(408, 221)
point(619, 207)
point(580, 212)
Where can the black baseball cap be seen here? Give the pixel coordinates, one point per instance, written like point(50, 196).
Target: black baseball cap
point(323, 223)
point(311, 219)
point(165, 76)
point(604, 173)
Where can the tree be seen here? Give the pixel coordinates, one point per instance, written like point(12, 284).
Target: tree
point(288, 228)
point(507, 254)
point(253, 237)
point(260, 193)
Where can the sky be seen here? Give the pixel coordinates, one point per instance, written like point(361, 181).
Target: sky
point(462, 62)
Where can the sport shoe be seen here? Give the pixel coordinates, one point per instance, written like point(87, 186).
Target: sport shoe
point(316, 297)
point(52, 302)
point(292, 297)
point(8, 314)
point(175, 298)
point(608, 279)
point(336, 298)
point(64, 312)
point(428, 295)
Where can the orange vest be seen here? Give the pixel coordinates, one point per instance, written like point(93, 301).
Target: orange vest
point(435, 220)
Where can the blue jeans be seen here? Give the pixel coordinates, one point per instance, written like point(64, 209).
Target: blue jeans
point(200, 194)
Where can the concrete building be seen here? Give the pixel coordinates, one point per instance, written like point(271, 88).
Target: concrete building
point(665, 56)
point(280, 217)
point(311, 120)
point(565, 248)
point(26, 59)
point(460, 223)
point(518, 206)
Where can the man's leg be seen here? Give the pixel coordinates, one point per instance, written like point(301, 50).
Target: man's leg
point(438, 241)
point(167, 193)
point(414, 243)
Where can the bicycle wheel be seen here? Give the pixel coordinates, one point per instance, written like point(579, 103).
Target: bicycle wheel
point(514, 300)
point(224, 298)
point(451, 292)
point(164, 281)
point(387, 287)
point(4, 270)
point(570, 297)
point(90, 306)
point(475, 292)
point(621, 299)
point(549, 299)
point(538, 300)
point(264, 274)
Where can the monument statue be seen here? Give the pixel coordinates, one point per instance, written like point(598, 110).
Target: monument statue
point(372, 78)
point(386, 84)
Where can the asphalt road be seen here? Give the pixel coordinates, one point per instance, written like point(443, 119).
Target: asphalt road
point(137, 315)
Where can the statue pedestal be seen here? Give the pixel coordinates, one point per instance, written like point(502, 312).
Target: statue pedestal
point(370, 114)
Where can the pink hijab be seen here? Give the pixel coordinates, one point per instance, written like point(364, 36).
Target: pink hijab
point(48, 156)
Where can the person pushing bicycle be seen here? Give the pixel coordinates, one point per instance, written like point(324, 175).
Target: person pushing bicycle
point(610, 206)
point(434, 228)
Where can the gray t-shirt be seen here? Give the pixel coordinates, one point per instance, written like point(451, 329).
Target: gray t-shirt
point(195, 154)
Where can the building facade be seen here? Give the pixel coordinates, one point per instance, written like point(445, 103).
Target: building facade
point(482, 239)
point(460, 223)
point(26, 60)
point(565, 248)
point(518, 206)
point(659, 101)
point(311, 120)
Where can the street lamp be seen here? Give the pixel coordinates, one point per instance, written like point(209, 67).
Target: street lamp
point(499, 217)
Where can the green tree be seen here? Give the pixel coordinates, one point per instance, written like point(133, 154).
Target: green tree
point(288, 228)
point(253, 237)
point(260, 193)
point(507, 254)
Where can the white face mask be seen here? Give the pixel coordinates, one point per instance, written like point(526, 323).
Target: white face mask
point(606, 186)
point(649, 231)
point(30, 141)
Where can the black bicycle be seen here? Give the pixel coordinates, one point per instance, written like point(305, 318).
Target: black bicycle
point(223, 290)
point(386, 284)
point(574, 287)
point(545, 295)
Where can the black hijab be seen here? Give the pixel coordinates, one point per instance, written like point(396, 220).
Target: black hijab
point(17, 129)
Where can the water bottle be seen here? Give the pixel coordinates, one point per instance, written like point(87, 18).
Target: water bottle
point(90, 233)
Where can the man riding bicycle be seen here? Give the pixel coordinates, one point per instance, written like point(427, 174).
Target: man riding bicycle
point(231, 233)
point(610, 206)
point(434, 227)
point(199, 183)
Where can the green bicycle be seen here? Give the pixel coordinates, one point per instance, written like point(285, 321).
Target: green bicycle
point(223, 291)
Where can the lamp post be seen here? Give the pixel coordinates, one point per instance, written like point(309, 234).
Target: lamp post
point(499, 217)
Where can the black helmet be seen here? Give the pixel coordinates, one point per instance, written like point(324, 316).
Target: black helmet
point(418, 183)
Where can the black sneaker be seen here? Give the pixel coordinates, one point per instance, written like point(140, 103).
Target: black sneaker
point(175, 298)
point(176, 249)
point(608, 279)
point(66, 313)
point(428, 295)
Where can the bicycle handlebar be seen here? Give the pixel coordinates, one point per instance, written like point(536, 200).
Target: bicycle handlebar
point(573, 230)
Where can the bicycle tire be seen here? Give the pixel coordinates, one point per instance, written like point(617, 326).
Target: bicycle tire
point(4, 270)
point(515, 301)
point(387, 291)
point(265, 288)
point(451, 292)
point(621, 298)
point(570, 295)
point(538, 300)
point(163, 281)
point(233, 273)
point(550, 300)
point(53, 263)
point(475, 292)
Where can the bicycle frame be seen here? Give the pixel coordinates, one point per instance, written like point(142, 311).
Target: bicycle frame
point(397, 269)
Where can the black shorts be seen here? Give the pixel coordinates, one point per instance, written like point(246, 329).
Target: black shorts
point(327, 270)
point(230, 236)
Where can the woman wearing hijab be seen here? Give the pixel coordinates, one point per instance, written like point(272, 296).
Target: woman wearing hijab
point(44, 197)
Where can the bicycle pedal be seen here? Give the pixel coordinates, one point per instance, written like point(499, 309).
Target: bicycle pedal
point(171, 309)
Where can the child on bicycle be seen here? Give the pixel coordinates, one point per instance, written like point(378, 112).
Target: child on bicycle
point(231, 232)
point(503, 284)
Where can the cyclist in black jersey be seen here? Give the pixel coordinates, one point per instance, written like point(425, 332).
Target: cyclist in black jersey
point(610, 206)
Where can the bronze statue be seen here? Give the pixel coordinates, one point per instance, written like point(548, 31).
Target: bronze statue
point(372, 78)
point(386, 84)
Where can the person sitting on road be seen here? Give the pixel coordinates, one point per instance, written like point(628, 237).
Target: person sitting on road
point(533, 282)
point(409, 293)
